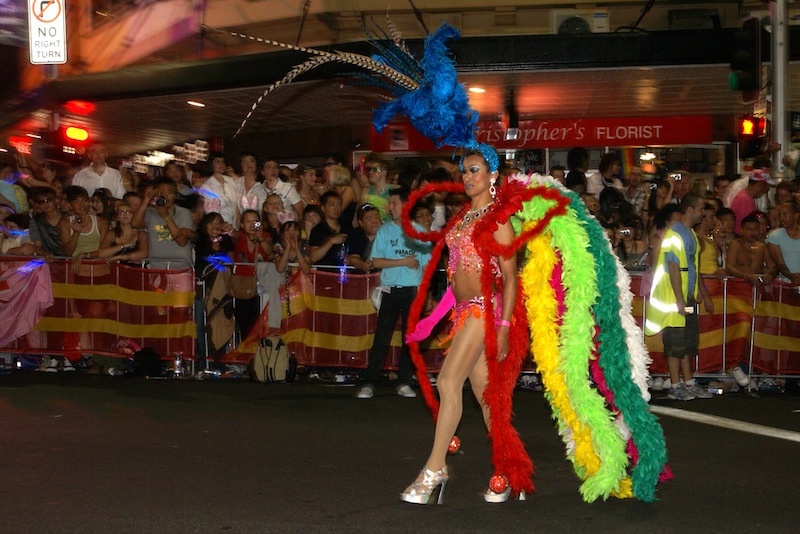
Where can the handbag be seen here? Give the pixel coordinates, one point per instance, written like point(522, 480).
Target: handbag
point(242, 287)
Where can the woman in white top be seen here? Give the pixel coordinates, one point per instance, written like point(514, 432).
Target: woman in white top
point(253, 192)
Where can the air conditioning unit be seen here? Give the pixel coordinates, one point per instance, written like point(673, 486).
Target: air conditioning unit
point(575, 21)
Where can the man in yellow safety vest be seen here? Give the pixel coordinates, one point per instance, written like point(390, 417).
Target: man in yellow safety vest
point(676, 290)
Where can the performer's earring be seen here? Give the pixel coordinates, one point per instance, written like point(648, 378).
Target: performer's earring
point(492, 190)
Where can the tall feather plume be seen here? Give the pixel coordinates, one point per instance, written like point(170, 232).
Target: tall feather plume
point(383, 69)
point(397, 37)
point(392, 50)
point(291, 75)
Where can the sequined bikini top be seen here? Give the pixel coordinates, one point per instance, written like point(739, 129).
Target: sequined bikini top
point(463, 252)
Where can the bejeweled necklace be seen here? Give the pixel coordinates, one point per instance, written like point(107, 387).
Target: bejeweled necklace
point(474, 215)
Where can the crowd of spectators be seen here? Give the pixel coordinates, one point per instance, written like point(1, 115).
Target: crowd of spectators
point(258, 211)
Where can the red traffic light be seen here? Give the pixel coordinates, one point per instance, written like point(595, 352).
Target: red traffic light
point(752, 127)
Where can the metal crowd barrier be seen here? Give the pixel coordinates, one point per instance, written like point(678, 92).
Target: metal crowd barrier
point(758, 326)
point(329, 322)
point(110, 309)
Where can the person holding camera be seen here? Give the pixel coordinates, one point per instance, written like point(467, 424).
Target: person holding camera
point(253, 246)
point(169, 227)
point(630, 250)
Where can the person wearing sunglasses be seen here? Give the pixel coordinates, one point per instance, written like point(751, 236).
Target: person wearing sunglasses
point(379, 188)
point(45, 226)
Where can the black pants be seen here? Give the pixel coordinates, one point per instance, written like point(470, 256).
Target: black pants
point(394, 304)
point(247, 312)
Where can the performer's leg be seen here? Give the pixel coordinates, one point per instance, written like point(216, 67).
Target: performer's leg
point(465, 352)
point(478, 379)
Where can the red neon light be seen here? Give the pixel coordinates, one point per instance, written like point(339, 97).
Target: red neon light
point(79, 107)
point(22, 144)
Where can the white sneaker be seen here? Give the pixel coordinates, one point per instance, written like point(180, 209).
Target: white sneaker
point(68, 365)
point(366, 392)
point(741, 377)
point(405, 390)
point(52, 367)
point(667, 383)
point(44, 364)
point(658, 384)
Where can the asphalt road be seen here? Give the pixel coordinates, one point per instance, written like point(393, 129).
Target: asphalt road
point(82, 453)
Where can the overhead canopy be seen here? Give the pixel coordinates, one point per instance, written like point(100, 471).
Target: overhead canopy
point(553, 76)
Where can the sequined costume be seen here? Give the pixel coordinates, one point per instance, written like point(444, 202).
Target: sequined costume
point(463, 253)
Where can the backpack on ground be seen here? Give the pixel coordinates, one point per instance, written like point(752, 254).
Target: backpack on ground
point(272, 362)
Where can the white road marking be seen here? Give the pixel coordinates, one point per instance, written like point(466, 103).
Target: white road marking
point(724, 422)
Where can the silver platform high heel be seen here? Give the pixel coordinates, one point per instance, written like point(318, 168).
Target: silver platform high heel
point(499, 490)
point(420, 491)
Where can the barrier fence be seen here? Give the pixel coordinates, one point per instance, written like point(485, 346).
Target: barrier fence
point(114, 308)
point(101, 308)
point(330, 323)
point(759, 326)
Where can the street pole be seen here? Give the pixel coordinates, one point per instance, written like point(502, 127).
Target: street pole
point(780, 51)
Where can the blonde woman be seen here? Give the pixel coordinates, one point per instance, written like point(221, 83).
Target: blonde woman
point(339, 180)
point(308, 187)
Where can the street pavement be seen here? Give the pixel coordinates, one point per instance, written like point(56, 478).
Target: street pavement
point(82, 453)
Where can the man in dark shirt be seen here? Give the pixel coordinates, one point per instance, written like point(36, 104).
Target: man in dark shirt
point(327, 238)
point(359, 242)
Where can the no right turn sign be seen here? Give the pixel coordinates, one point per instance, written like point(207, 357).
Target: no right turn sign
point(47, 32)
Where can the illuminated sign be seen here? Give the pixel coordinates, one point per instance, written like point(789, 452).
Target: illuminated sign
point(567, 133)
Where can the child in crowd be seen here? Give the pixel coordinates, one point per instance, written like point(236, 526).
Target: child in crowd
point(290, 249)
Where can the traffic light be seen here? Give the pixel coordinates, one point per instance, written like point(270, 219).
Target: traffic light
point(746, 60)
point(751, 127)
point(752, 134)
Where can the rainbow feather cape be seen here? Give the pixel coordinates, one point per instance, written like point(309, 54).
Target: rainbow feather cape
point(585, 342)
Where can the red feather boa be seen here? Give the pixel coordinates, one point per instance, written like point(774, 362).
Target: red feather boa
point(508, 456)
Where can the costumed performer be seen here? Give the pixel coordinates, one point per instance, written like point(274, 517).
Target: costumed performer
point(466, 357)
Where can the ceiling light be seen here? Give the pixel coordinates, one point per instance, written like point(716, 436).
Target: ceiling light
point(195, 103)
point(647, 156)
point(477, 90)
